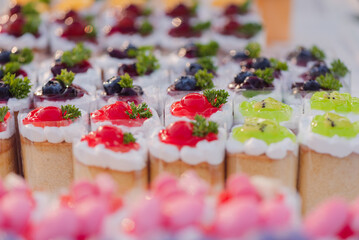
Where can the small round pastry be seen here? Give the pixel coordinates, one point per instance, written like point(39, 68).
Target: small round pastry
point(137, 119)
point(212, 105)
point(47, 134)
point(184, 145)
point(60, 91)
point(8, 161)
point(111, 151)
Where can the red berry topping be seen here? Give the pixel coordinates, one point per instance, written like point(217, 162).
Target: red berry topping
point(184, 29)
point(231, 10)
point(191, 105)
point(3, 124)
point(15, 25)
point(74, 30)
point(180, 10)
point(112, 137)
point(231, 27)
point(133, 11)
point(125, 25)
point(15, 10)
point(46, 117)
point(70, 14)
point(181, 134)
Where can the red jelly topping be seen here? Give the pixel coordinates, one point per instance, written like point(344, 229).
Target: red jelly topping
point(181, 134)
point(46, 117)
point(126, 25)
point(4, 123)
point(193, 104)
point(111, 137)
point(180, 10)
point(116, 113)
point(184, 29)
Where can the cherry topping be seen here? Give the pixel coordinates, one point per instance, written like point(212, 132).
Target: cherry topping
point(46, 117)
point(111, 137)
point(180, 10)
point(15, 25)
point(74, 30)
point(126, 25)
point(183, 29)
point(191, 105)
point(231, 27)
point(181, 134)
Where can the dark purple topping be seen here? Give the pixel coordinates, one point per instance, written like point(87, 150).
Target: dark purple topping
point(184, 29)
point(180, 10)
point(15, 10)
point(185, 83)
point(4, 56)
point(4, 92)
point(78, 68)
point(130, 69)
point(134, 91)
point(301, 56)
point(67, 93)
point(190, 50)
point(113, 87)
point(255, 83)
point(193, 68)
point(311, 85)
point(126, 25)
point(123, 52)
point(240, 77)
point(318, 69)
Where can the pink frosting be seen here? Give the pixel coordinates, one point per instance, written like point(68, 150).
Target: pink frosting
point(355, 216)
point(240, 186)
point(328, 220)
point(274, 215)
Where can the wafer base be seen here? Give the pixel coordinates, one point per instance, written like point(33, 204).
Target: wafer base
point(126, 181)
point(285, 170)
point(47, 166)
point(213, 174)
point(322, 176)
point(7, 156)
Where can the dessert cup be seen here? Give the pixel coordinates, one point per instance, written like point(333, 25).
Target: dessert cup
point(126, 163)
point(46, 148)
point(8, 161)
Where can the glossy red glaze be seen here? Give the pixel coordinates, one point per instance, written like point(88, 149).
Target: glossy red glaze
point(46, 117)
point(3, 125)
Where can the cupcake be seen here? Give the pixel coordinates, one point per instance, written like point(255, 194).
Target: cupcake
point(211, 104)
point(183, 145)
point(46, 136)
point(268, 108)
point(263, 147)
point(60, 90)
point(77, 61)
point(8, 161)
point(328, 155)
point(119, 154)
point(23, 28)
point(137, 119)
point(73, 27)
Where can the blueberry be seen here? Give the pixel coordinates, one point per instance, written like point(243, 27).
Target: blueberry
point(261, 63)
point(240, 77)
point(185, 83)
point(311, 85)
point(1, 74)
point(303, 56)
point(193, 68)
point(4, 92)
point(318, 69)
point(4, 56)
point(240, 56)
point(253, 82)
point(111, 85)
point(53, 87)
point(135, 91)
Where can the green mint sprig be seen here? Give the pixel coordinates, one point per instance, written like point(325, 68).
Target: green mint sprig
point(128, 138)
point(146, 62)
point(199, 27)
point(207, 50)
point(250, 29)
point(244, 8)
point(141, 111)
point(3, 111)
point(75, 56)
point(146, 28)
point(11, 67)
point(23, 56)
point(65, 77)
point(201, 128)
point(70, 112)
point(338, 68)
point(204, 80)
point(19, 88)
point(135, 52)
point(253, 49)
point(207, 63)
point(329, 82)
point(266, 74)
point(317, 53)
point(126, 81)
point(216, 97)
point(278, 65)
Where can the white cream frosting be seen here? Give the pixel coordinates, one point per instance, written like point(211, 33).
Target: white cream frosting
point(16, 105)
point(223, 117)
point(134, 160)
point(54, 134)
point(27, 40)
point(256, 147)
point(10, 128)
point(146, 128)
point(211, 152)
point(336, 146)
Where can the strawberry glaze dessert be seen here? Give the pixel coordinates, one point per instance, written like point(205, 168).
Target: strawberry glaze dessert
point(212, 105)
point(23, 27)
point(76, 60)
point(183, 145)
point(73, 27)
point(137, 119)
point(46, 135)
point(110, 150)
point(8, 161)
point(59, 90)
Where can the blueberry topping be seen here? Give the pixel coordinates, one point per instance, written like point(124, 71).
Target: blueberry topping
point(1, 74)
point(311, 85)
point(302, 56)
point(185, 83)
point(261, 63)
point(115, 53)
point(193, 68)
point(254, 82)
point(240, 77)
point(318, 69)
point(4, 56)
point(111, 85)
point(53, 87)
point(135, 91)
point(4, 92)
point(131, 69)
point(240, 56)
